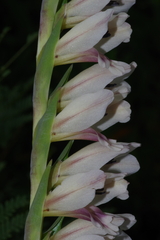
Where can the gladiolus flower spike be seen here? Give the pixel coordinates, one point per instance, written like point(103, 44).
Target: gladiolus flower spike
point(81, 108)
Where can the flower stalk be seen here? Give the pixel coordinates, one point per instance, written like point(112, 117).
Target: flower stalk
point(80, 108)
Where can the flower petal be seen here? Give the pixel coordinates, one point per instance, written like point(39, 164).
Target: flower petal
point(120, 91)
point(92, 80)
point(119, 68)
point(109, 222)
point(75, 191)
point(124, 164)
point(121, 34)
point(92, 157)
point(90, 237)
point(113, 188)
point(117, 21)
point(129, 221)
point(119, 112)
point(84, 35)
point(129, 70)
point(77, 228)
point(87, 134)
point(82, 112)
point(85, 7)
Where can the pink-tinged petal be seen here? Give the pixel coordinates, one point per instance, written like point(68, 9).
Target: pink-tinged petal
point(90, 237)
point(82, 112)
point(124, 164)
point(76, 229)
point(97, 222)
point(119, 112)
point(123, 6)
point(109, 222)
point(84, 35)
point(92, 80)
point(121, 34)
point(94, 156)
point(91, 55)
point(75, 191)
point(113, 188)
point(85, 7)
point(87, 134)
point(92, 135)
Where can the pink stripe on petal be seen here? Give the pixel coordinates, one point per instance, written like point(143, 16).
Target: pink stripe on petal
point(84, 35)
point(75, 191)
point(82, 112)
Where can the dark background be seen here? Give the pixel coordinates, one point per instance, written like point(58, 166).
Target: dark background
point(19, 26)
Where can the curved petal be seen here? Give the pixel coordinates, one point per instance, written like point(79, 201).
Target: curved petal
point(113, 188)
point(84, 35)
point(119, 68)
point(82, 112)
point(121, 34)
point(120, 91)
point(129, 70)
point(119, 112)
point(76, 229)
point(92, 157)
point(109, 222)
point(87, 134)
point(129, 221)
point(91, 55)
point(92, 80)
point(90, 237)
point(85, 7)
point(124, 164)
point(75, 191)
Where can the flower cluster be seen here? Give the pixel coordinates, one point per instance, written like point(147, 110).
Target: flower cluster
point(89, 103)
point(89, 178)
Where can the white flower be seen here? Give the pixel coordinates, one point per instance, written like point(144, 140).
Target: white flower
point(92, 80)
point(80, 114)
point(118, 112)
point(81, 38)
point(91, 157)
point(109, 226)
point(75, 192)
point(119, 31)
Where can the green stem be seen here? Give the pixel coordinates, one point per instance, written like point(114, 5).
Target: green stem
point(43, 75)
point(48, 11)
point(41, 144)
point(34, 219)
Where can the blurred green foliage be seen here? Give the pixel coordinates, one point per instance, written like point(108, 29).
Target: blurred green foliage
point(21, 22)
